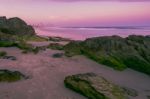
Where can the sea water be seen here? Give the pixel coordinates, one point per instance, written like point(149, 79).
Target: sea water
point(81, 33)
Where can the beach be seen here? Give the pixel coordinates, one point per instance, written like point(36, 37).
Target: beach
point(47, 74)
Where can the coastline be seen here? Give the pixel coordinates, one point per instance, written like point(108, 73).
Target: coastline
point(47, 75)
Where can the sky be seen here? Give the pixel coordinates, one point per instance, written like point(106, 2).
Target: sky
point(79, 12)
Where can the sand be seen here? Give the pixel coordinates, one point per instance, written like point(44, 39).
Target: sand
point(47, 75)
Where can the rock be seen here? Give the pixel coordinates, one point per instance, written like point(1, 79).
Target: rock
point(58, 55)
point(73, 48)
point(11, 76)
point(114, 51)
point(94, 87)
point(55, 46)
point(9, 58)
point(3, 22)
point(130, 92)
point(148, 97)
point(3, 53)
point(58, 39)
point(6, 37)
point(15, 26)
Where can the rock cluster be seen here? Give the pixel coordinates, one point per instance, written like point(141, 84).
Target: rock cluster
point(115, 51)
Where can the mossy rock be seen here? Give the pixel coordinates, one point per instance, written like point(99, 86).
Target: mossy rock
point(94, 87)
point(55, 46)
point(21, 45)
point(7, 44)
point(10, 76)
point(3, 53)
point(114, 51)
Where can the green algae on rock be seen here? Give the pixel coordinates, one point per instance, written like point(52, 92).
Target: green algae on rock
point(55, 46)
point(10, 76)
point(94, 87)
point(114, 51)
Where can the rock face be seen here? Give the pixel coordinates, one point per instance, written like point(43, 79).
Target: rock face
point(114, 51)
point(94, 87)
point(15, 26)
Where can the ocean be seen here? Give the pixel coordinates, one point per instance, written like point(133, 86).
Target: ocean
point(81, 33)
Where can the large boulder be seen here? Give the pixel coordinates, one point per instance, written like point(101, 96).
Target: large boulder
point(15, 26)
point(95, 87)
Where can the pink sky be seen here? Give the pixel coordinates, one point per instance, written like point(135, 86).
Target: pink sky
point(81, 13)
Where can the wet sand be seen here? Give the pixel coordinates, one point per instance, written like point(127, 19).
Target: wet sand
point(47, 75)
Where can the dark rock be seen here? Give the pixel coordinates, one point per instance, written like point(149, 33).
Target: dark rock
point(3, 53)
point(148, 97)
point(94, 87)
point(9, 58)
point(3, 22)
point(10, 76)
point(15, 26)
point(58, 55)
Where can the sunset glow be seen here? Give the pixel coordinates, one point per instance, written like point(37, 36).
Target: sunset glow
point(83, 13)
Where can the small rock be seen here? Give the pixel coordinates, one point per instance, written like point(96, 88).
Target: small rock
point(55, 46)
point(11, 76)
point(10, 58)
point(58, 55)
point(130, 92)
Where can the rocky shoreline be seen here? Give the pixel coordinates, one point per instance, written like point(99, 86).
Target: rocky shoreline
point(53, 63)
point(114, 51)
